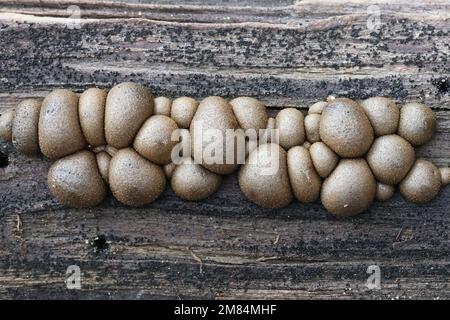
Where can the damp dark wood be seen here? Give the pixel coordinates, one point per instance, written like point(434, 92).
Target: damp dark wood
point(287, 54)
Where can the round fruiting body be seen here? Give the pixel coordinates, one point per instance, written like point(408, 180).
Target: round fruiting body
point(162, 106)
point(25, 127)
point(134, 180)
point(128, 105)
point(212, 147)
point(290, 123)
point(317, 107)
point(59, 125)
point(323, 158)
point(91, 109)
point(312, 127)
point(250, 113)
point(423, 182)
point(350, 189)
point(183, 111)
point(76, 181)
point(445, 175)
point(103, 161)
point(192, 182)
point(6, 119)
point(154, 139)
point(264, 178)
point(384, 192)
point(383, 114)
point(417, 123)
point(305, 182)
point(345, 128)
point(390, 158)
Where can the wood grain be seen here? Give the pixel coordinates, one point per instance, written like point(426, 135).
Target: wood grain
point(290, 54)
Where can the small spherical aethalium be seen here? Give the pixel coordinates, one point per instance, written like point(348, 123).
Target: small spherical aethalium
point(264, 177)
point(445, 175)
point(183, 110)
point(134, 180)
point(128, 105)
point(350, 189)
point(91, 109)
point(390, 158)
point(250, 113)
point(323, 158)
point(312, 127)
point(345, 128)
point(25, 136)
point(59, 126)
point(383, 114)
point(6, 119)
point(163, 106)
point(290, 123)
point(417, 123)
point(76, 181)
point(192, 182)
point(214, 116)
point(154, 139)
point(384, 192)
point(305, 182)
point(423, 182)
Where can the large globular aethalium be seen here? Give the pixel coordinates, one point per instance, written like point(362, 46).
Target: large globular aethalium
point(346, 153)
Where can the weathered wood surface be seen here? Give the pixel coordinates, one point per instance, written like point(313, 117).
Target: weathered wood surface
point(288, 54)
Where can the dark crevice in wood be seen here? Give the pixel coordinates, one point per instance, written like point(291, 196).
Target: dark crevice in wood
point(4, 161)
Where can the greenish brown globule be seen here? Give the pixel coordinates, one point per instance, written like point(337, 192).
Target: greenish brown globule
point(183, 111)
point(154, 139)
point(250, 113)
point(305, 182)
point(128, 105)
point(91, 109)
point(317, 107)
point(290, 123)
point(390, 158)
point(134, 180)
point(59, 125)
point(163, 105)
point(192, 182)
point(76, 181)
point(384, 192)
point(6, 119)
point(323, 158)
point(264, 178)
point(312, 126)
point(345, 128)
point(417, 123)
point(422, 183)
point(214, 117)
point(383, 114)
point(445, 175)
point(25, 136)
point(350, 189)
point(103, 161)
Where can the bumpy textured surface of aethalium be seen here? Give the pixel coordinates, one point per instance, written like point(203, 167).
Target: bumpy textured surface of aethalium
point(344, 152)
